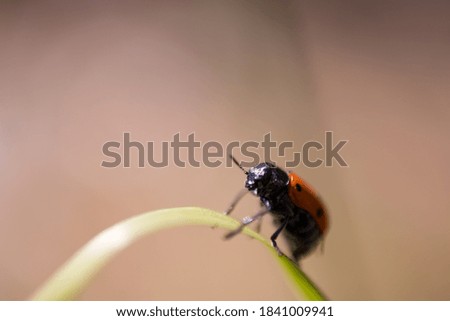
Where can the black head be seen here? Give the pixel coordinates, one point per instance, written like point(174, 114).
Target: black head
point(268, 182)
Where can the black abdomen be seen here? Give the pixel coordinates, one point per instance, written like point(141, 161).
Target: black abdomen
point(301, 232)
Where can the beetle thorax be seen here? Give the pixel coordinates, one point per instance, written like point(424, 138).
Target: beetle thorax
point(268, 182)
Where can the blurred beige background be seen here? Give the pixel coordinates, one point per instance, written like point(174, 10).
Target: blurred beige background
point(76, 75)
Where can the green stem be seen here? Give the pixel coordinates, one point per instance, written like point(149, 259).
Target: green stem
point(75, 275)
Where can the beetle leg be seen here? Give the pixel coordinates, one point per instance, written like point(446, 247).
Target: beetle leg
point(259, 224)
point(275, 235)
point(236, 200)
point(246, 221)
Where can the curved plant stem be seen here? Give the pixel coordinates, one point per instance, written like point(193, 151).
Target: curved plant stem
point(75, 275)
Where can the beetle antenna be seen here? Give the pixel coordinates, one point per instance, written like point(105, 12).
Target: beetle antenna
point(238, 164)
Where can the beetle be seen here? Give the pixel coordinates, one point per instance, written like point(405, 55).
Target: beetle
point(297, 210)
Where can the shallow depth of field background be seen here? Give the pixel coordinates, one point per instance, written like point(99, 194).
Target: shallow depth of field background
point(74, 76)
